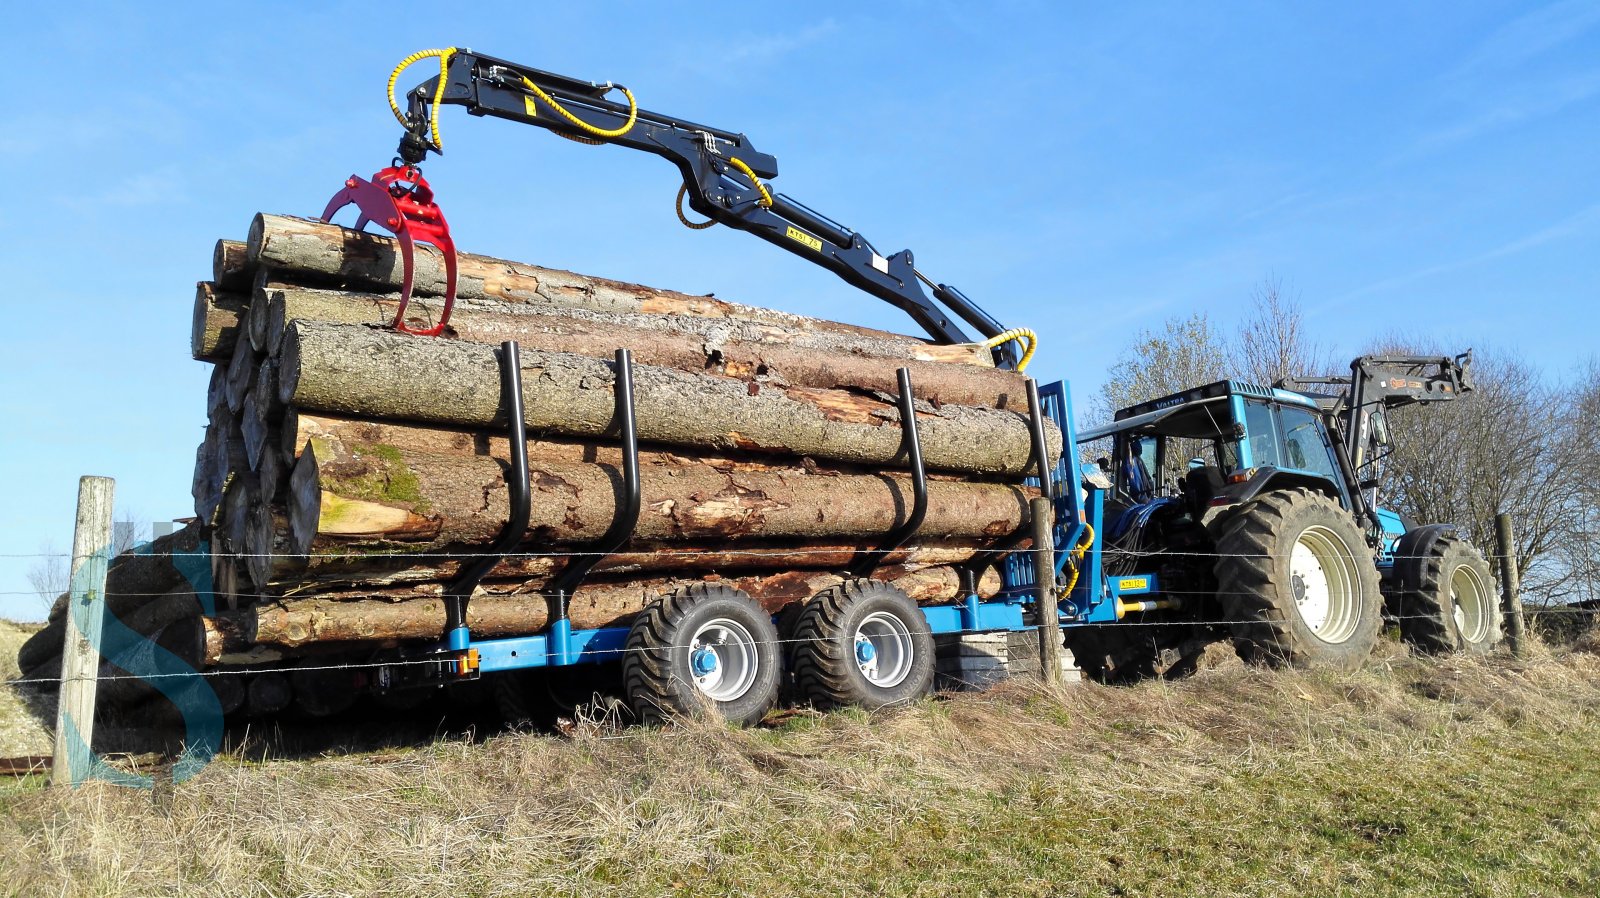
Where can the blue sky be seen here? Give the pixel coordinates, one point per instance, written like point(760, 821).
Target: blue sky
point(1083, 169)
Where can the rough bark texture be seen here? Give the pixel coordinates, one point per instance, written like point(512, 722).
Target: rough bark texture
point(306, 250)
point(296, 622)
point(231, 268)
point(215, 327)
point(376, 498)
point(717, 346)
point(358, 371)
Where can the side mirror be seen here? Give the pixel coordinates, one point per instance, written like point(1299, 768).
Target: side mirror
point(1196, 462)
point(1380, 428)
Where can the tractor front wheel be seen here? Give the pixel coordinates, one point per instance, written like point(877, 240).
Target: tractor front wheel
point(1453, 605)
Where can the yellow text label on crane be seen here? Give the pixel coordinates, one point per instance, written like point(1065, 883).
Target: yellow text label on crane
point(1133, 583)
point(796, 234)
point(529, 106)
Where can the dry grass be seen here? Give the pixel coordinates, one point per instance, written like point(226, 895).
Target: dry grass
point(1411, 778)
point(20, 732)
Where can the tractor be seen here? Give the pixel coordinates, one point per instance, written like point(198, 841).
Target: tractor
point(1253, 512)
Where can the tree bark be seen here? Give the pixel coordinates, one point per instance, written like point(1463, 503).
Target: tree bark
point(362, 499)
point(296, 622)
point(352, 370)
point(729, 348)
point(231, 268)
point(215, 327)
point(306, 250)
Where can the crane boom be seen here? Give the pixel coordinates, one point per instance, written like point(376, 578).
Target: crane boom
point(723, 176)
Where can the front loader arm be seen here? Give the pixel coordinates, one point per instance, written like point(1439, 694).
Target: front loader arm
point(723, 177)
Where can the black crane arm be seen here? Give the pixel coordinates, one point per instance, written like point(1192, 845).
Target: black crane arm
point(722, 175)
point(1382, 382)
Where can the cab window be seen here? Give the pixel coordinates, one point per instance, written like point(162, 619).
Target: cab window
point(1304, 445)
point(1262, 435)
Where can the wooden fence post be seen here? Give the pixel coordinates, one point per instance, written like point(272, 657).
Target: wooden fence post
point(85, 619)
point(1044, 568)
point(1510, 587)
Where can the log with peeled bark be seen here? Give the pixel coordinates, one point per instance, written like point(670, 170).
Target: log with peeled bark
point(303, 249)
point(729, 348)
point(296, 622)
point(361, 499)
point(217, 323)
point(231, 268)
point(278, 570)
point(352, 370)
point(300, 428)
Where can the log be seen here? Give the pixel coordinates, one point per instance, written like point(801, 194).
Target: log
point(272, 476)
point(299, 428)
point(217, 322)
point(305, 250)
point(298, 622)
point(362, 499)
point(352, 370)
point(242, 370)
point(233, 523)
point(231, 268)
point(217, 392)
point(268, 693)
point(133, 579)
point(730, 348)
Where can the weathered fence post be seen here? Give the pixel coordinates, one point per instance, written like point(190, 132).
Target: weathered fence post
point(1044, 567)
point(1510, 588)
point(85, 619)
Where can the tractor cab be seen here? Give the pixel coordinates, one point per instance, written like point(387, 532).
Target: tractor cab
point(1219, 445)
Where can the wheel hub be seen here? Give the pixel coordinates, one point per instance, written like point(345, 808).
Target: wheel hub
point(723, 660)
point(1323, 583)
point(883, 650)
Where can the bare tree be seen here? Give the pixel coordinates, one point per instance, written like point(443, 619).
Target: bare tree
point(1507, 447)
point(1273, 343)
point(49, 571)
point(1186, 353)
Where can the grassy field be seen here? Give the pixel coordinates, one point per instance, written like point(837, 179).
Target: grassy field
point(1410, 778)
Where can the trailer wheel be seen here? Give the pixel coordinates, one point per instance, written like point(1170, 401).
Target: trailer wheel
point(864, 643)
point(1298, 582)
point(1453, 607)
point(703, 648)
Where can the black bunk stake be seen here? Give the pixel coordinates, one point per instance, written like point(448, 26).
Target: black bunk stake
point(622, 525)
point(460, 590)
point(911, 444)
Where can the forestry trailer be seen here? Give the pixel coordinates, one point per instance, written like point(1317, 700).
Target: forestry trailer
point(1274, 531)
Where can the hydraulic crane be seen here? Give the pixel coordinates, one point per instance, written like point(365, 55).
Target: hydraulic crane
point(724, 179)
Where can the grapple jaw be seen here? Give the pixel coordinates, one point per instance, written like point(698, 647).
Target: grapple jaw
point(399, 200)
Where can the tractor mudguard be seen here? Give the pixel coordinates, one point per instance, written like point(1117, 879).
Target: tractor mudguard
point(1270, 477)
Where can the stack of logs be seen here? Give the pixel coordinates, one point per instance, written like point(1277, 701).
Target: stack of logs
point(348, 469)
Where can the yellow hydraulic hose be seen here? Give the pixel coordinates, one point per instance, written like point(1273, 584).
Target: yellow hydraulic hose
point(625, 127)
point(1019, 334)
point(438, 94)
point(1076, 556)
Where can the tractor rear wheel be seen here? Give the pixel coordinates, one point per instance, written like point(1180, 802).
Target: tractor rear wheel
point(1298, 582)
point(1453, 606)
point(705, 648)
point(862, 643)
